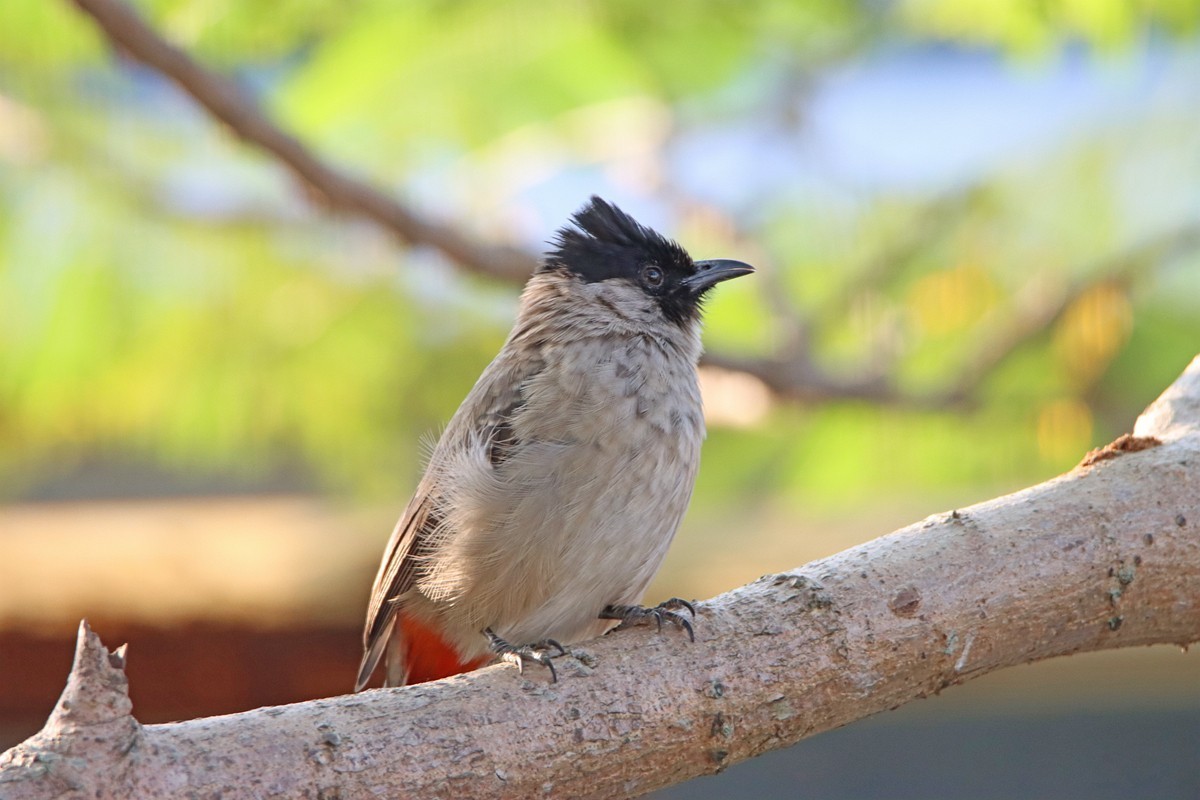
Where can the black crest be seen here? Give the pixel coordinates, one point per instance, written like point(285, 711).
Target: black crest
point(605, 243)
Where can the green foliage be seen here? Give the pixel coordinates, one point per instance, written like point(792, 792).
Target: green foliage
point(1037, 25)
point(38, 37)
point(165, 296)
point(209, 347)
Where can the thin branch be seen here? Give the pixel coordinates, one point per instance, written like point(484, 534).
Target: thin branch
point(1042, 308)
point(797, 379)
point(791, 373)
point(931, 223)
point(1102, 557)
point(228, 103)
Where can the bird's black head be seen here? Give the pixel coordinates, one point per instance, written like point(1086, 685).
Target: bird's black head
point(605, 243)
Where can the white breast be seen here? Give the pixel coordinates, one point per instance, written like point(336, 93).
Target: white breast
point(582, 513)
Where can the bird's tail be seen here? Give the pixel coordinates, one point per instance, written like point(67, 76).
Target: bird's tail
point(416, 653)
point(425, 655)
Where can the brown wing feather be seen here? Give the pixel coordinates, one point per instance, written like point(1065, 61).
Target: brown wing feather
point(497, 397)
point(396, 575)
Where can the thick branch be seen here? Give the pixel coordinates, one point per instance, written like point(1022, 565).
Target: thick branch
point(1105, 556)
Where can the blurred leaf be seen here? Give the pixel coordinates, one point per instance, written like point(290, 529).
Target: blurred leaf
point(403, 69)
point(1034, 25)
point(37, 35)
point(167, 296)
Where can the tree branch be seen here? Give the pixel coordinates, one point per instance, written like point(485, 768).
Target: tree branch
point(794, 376)
point(229, 104)
point(1043, 306)
point(791, 373)
point(1104, 556)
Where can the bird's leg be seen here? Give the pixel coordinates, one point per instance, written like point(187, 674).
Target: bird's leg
point(518, 655)
point(668, 610)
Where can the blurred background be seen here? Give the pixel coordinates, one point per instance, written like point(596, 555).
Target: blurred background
point(978, 232)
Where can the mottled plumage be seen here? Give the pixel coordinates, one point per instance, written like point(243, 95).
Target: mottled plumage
point(558, 485)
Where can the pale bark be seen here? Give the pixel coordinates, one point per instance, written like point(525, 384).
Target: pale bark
point(1105, 556)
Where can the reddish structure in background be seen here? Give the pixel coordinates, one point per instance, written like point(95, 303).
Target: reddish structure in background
point(193, 670)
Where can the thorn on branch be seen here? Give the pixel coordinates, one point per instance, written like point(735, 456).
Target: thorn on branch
point(97, 691)
point(89, 736)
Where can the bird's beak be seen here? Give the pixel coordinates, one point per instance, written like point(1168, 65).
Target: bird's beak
point(710, 273)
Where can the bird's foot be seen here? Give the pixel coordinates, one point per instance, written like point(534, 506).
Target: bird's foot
point(520, 654)
point(666, 611)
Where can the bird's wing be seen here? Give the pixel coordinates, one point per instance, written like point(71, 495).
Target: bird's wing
point(396, 574)
point(486, 414)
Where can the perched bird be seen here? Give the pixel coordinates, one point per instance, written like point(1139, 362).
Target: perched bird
point(553, 494)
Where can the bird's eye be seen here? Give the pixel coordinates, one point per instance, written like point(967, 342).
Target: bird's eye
point(652, 275)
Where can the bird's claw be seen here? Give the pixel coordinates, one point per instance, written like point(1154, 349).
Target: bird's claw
point(546, 644)
point(668, 610)
point(518, 655)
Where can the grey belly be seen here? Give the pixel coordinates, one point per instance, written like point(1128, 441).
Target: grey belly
point(574, 528)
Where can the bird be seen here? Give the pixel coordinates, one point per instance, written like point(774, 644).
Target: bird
point(553, 493)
